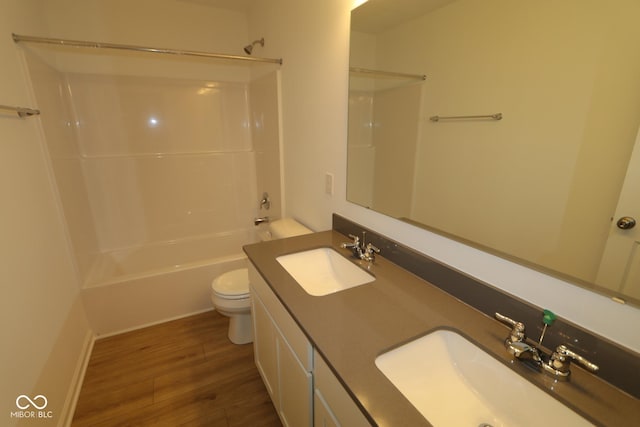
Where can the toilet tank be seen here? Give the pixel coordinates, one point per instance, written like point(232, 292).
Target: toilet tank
point(285, 227)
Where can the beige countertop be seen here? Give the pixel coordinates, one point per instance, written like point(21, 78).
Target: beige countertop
point(351, 328)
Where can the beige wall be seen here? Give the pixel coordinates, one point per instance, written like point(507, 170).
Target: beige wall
point(312, 39)
point(173, 24)
point(44, 330)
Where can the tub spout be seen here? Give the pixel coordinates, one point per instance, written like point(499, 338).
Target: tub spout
point(258, 221)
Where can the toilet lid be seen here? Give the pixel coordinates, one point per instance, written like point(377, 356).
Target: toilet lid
point(232, 284)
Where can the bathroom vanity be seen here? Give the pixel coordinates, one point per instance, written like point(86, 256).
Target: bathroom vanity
point(302, 387)
point(317, 354)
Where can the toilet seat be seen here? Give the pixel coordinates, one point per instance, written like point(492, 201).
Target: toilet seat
point(232, 285)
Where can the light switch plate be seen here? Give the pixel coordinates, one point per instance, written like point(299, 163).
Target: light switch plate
point(328, 183)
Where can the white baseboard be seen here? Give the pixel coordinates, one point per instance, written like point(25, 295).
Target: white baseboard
point(71, 401)
point(158, 322)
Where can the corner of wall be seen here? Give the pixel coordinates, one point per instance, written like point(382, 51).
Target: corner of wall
point(61, 377)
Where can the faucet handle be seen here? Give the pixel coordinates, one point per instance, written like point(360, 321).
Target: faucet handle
point(265, 202)
point(370, 252)
point(517, 331)
point(516, 343)
point(371, 249)
point(561, 358)
point(351, 245)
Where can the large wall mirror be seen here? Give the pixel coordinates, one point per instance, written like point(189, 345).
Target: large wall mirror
point(523, 137)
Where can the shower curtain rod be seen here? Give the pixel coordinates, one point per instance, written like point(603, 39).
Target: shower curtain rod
point(388, 73)
point(79, 43)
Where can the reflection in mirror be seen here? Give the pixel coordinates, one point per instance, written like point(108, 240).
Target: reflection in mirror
point(546, 184)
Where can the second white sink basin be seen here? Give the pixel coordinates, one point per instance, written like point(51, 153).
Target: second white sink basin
point(452, 382)
point(323, 271)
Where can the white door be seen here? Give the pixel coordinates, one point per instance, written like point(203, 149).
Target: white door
point(620, 266)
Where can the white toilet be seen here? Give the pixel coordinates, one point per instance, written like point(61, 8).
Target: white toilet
point(230, 291)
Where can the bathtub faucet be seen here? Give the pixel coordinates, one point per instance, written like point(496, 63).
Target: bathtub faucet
point(258, 221)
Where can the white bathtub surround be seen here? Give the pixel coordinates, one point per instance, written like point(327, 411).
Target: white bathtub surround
point(123, 265)
point(148, 300)
point(135, 287)
point(164, 158)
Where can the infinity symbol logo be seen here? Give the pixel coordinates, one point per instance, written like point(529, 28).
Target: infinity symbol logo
point(24, 397)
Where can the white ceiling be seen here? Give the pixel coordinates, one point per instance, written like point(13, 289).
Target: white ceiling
point(372, 17)
point(377, 16)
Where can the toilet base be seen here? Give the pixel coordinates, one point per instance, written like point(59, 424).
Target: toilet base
point(240, 328)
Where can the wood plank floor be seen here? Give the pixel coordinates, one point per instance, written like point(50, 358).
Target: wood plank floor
point(181, 373)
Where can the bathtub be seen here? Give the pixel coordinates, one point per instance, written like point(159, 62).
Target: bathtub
point(136, 287)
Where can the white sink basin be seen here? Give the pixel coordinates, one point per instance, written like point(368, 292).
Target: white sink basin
point(454, 383)
point(323, 271)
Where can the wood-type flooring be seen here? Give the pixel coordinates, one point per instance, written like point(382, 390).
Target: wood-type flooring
point(181, 373)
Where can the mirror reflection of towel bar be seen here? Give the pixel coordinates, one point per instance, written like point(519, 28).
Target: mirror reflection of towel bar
point(20, 111)
point(497, 116)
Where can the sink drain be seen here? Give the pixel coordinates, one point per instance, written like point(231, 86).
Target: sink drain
point(485, 425)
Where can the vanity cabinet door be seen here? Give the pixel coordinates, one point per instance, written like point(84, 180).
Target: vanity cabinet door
point(265, 346)
point(322, 415)
point(296, 388)
point(283, 355)
point(333, 405)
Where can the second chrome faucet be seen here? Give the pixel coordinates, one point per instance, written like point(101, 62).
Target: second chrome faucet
point(557, 364)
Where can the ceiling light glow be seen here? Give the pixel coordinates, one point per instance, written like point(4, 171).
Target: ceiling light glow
point(357, 3)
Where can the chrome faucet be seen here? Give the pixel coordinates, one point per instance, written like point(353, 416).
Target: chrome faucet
point(361, 250)
point(557, 364)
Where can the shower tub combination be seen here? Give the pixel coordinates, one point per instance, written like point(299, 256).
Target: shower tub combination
point(158, 162)
point(138, 286)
